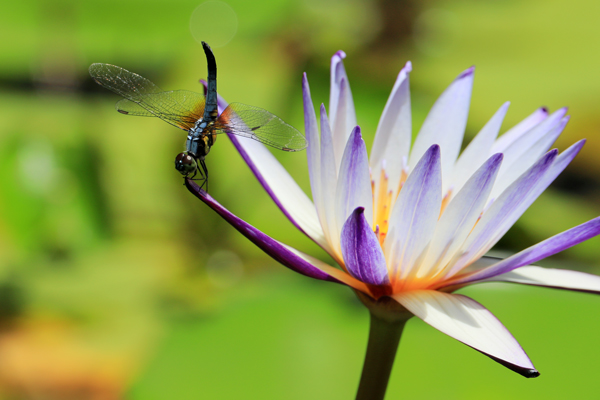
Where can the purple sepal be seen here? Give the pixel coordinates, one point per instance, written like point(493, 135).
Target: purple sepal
point(267, 244)
point(362, 253)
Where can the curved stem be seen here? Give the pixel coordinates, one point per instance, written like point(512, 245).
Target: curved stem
point(384, 337)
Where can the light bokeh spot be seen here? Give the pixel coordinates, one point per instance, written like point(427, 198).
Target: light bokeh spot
point(214, 22)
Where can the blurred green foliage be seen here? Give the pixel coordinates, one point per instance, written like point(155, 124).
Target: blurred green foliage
point(103, 249)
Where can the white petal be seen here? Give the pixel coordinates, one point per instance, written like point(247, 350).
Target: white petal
point(513, 202)
point(460, 216)
point(313, 152)
point(341, 107)
point(501, 214)
point(522, 127)
point(523, 152)
point(282, 188)
point(478, 150)
point(445, 124)
point(469, 322)
point(392, 140)
point(481, 270)
point(414, 216)
point(328, 185)
point(278, 183)
point(549, 277)
point(354, 183)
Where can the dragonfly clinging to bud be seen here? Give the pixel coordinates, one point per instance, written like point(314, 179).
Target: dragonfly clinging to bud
point(199, 117)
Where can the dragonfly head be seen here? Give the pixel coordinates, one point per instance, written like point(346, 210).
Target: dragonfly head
point(185, 163)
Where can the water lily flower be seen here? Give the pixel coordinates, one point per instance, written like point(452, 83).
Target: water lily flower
point(411, 224)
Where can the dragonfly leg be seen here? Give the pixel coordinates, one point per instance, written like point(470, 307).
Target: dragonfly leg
point(204, 173)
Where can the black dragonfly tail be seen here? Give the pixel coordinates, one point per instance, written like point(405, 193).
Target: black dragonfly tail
point(210, 110)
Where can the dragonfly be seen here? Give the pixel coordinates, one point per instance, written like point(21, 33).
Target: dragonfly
point(197, 115)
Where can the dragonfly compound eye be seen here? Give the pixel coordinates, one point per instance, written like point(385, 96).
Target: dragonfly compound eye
point(185, 164)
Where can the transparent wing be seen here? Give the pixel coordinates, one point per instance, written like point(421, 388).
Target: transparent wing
point(128, 107)
point(259, 124)
point(181, 108)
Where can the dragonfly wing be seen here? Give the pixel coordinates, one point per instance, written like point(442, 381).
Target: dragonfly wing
point(259, 124)
point(129, 107)
point(181, 108)
point(182, 119)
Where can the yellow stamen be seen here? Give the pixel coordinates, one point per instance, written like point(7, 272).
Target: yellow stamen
point(445, 201)
point(382, 201)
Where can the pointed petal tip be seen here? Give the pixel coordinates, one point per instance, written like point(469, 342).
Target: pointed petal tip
point(356, 132)
point(496, 158)
point(523, 371)
point(305, 85)
point(407, 67)
point(532, 373)
point(544, 109)
point(434, 149)
point(560, 112)
point(549, 157)
point(359, 210)
point(339, 54)
point(466, 73)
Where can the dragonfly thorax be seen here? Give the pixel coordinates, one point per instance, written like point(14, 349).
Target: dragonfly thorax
point(201, 138)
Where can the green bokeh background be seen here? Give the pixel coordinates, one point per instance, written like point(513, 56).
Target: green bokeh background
point(115, 283)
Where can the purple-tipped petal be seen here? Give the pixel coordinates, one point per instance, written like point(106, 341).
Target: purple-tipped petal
point(524, 151)
point(469, 322)
point(415, 214)
point(279, 184)
point(337, 73)
point(313, 152)
point(522, 127)
point(548, 247)
point(267, 244)
point(513, 202)
point(363, 256)
point(503, 213)
point(550, 277)
point(354, 182)
point(460, 216)
point(477, 151)
point(392, 140)
point(445, 124)
point(328, 181)
point(341, 106)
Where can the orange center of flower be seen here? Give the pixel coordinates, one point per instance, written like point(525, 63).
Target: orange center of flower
point(383, 200)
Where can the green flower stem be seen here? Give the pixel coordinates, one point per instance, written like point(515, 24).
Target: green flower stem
point(386, 325)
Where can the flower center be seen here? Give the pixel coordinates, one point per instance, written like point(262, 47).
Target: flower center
point(384, 197)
